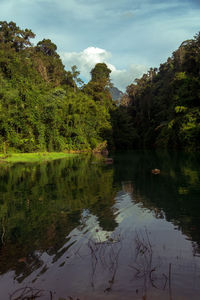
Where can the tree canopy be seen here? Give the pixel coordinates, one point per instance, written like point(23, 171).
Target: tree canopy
point(15, 37)
point(43, 106)
point(164, 103)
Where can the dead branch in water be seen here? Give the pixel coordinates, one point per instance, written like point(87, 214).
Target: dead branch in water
point(144, 266)
point(26, 293)
point(105, 254)
point(30, 293)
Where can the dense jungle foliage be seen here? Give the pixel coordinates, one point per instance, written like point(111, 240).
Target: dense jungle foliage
point(164, 103)
point(43, 107)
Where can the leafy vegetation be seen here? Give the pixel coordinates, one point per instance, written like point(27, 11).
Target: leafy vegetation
point(43, 107)
point(164, 103)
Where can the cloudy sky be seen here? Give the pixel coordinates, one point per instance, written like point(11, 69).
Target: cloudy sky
point(129, 35)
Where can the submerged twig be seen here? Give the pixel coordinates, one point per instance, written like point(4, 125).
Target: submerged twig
point(170, 288)
point(26, 293)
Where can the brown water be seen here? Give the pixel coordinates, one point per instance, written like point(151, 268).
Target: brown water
point(82, 229)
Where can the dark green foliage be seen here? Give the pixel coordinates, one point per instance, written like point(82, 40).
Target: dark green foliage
point(124, 134)
point(165, 102)
point(44, 108)
point(47, 47)
point(98, 86)
point(12, 36)
point(101, 73)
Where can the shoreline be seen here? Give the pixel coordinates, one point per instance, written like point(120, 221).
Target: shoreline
point(34, 156)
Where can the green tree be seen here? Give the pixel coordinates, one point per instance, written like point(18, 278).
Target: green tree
point(15, 37)
point(101, 74)
point(72, 78)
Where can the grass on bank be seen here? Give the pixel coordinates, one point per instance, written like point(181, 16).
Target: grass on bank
point(33, 157)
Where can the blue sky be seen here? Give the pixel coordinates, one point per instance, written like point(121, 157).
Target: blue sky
point(129, 35)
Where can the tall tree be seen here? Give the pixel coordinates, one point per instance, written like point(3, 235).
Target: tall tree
point(101, 75)
point(15, 37)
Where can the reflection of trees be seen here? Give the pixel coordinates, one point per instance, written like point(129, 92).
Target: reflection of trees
point(41, 204)
point(173, 194)
point(103, 209)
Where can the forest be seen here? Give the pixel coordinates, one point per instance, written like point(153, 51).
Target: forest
point(164, 103)
point(44, 107)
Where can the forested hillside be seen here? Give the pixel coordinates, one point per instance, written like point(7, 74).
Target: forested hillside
point(165, 103)
point(43, 107)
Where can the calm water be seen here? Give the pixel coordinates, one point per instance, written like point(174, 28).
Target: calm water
point(81, 229)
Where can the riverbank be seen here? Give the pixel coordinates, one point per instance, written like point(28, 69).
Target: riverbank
point(33, 157)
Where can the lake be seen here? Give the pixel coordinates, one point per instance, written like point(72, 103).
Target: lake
point(82, 229)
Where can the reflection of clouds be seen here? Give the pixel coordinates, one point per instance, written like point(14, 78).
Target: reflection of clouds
point(129, 214)
point(90, 223)
point(95, 261)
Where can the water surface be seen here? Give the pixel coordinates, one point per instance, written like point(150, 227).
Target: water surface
point(83, 229)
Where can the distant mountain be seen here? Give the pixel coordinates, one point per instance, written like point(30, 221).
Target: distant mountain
point(116, 93)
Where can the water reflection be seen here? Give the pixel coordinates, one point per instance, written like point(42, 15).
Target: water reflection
point(41, 204)
point(80, 228)
point(174, 194)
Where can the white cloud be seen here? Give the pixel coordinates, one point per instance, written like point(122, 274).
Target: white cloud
point(85, 60)
point(122, 78)
point(88, 58)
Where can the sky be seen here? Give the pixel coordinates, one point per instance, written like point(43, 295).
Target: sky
point(130, 36)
